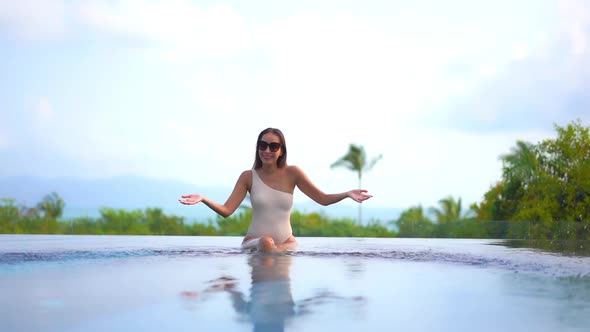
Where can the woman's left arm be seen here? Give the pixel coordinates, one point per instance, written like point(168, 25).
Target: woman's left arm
point(312, 191)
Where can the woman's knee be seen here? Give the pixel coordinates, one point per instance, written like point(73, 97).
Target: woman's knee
point(266, 243)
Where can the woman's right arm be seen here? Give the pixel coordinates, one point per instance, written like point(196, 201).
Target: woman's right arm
point(232, 203)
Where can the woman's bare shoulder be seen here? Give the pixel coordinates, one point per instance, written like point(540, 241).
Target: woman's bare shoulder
point(294, 171)
point(246, 177)
point(293, 168)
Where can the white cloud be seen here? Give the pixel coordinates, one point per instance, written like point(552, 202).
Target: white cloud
point(543, 83)
point(179, 28)
point(323, 66)
point(520, 52)
point(4, 143)
point(44, 111)
point(6, 129)
point(181, 131)
point(33, 19)
point(575, 20)
point(179, 24)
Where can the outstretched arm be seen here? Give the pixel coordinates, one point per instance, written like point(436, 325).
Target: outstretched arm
point(312, 191)
point(232, 203)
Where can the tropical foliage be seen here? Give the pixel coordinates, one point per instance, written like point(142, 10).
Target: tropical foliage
point(153, 221)
point(546, 184)
point(544, 194)
point(414, 223)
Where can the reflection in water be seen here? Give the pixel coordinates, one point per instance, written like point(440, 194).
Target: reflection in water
point(564, 247)
point(271, 302)
point(568, 297)
point(270, 305)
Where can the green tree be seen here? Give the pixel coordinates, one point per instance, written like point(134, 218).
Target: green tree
point(9, 216)
point(521, 164)
point(82, 225)
point(566, 166)
point(520, 169)
point(121, 222)
point(546, 185)
point(413, 222)
point(52, 207)
point(161, 224)
point(559, 190)
point(356, 160)
point(449, 210)
point(236, 224)
point(448, 215)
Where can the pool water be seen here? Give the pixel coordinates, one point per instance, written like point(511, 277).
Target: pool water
point(129, 283)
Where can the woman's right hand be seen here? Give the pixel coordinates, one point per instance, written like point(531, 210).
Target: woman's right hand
point(191, 199)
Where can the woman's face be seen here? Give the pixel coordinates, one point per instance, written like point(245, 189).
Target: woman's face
point(267, 155)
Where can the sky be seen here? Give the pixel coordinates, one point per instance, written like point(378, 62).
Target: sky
point(180, 89)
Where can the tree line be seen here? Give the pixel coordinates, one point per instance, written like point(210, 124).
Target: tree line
point(45, 218)
point(543, 193)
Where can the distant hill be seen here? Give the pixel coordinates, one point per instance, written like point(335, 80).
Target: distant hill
point(84, 197)
point(121, 191)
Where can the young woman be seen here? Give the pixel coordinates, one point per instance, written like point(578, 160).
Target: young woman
point(271, 183)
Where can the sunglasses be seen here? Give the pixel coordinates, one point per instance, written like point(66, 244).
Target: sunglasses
point(274, 146)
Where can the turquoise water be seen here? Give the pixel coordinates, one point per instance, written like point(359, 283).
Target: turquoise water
point(128, 283)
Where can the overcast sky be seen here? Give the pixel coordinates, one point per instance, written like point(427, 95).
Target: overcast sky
point(179, 89)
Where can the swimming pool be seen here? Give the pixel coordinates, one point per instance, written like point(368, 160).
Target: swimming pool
point(128, 283)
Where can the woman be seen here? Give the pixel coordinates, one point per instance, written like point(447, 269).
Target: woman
point(271, 183)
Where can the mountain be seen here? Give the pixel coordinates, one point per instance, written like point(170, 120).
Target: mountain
point(121, 191)
point(84, 197)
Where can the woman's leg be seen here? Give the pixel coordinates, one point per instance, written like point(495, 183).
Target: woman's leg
point(290, 244)
point(267, 244)
point(250, 243)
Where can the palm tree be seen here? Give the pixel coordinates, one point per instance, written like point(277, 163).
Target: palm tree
point(356, 160)
point(521, 163)
point(52, 205)
point(450, 210)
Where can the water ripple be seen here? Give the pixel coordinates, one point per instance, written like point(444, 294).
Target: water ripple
point(14, 258)
point(511, 260)
point(548, 264)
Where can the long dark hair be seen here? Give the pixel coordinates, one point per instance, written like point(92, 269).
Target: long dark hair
point(282, 161)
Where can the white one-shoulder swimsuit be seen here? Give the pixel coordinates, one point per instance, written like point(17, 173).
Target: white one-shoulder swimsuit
point(271, 211)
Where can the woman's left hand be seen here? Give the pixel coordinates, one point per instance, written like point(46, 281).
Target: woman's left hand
point(359, 195)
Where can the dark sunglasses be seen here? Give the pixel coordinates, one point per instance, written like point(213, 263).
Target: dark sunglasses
point(274, 146)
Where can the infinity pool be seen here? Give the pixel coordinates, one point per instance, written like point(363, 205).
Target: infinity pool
point(132, 283)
